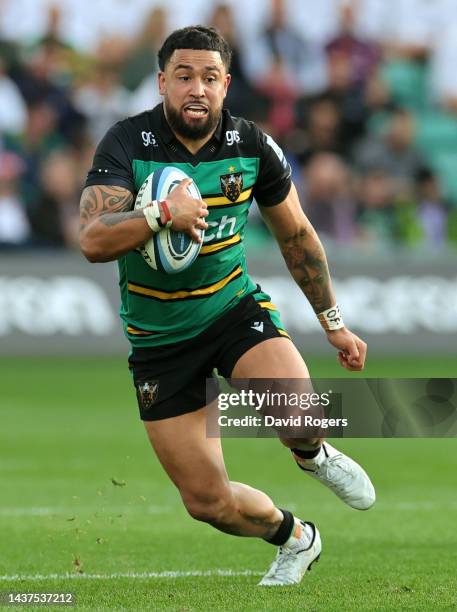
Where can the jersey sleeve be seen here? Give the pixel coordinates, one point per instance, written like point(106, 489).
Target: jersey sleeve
point(113, 160)
point(274, 178)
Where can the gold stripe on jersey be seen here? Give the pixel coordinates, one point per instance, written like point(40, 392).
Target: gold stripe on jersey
point(183, 294)
point(223, 201)
point(136, 331)
point(209, 249)
point(267, 305)
point(284, 333)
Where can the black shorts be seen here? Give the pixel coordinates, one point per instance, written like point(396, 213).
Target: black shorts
point(171, 380)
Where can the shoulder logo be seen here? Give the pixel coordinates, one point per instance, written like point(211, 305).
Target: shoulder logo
point(149, 139)
point(258, 326)
point(232, 136)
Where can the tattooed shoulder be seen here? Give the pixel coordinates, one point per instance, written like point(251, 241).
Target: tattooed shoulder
point(98, 200)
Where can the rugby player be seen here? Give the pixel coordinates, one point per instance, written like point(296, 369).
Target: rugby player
point(212, 315)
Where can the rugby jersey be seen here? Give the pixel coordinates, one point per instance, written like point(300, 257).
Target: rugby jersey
point(237, 164)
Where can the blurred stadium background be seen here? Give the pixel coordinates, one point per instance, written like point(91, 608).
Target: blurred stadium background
point(362, 96)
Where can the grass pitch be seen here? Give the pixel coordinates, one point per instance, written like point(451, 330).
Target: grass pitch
point(86, 508)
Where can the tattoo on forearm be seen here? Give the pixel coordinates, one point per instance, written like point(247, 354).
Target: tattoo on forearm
point(116, 218)
point(99, 200)
point(307, 263)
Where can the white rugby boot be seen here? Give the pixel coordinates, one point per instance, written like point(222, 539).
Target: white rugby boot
point(295, 557)
point(340, 474)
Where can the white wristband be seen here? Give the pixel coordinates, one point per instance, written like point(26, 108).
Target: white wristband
point(152, 215)
point(331, 318)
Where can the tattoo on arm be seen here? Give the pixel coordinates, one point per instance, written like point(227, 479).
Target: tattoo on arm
point(110, 220)
point(307, 263)
point(100, 200)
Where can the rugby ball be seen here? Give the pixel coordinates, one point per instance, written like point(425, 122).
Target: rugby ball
point(167, 250)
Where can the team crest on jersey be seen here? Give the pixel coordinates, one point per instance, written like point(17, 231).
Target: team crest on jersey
point(147, 393)
point(232, 185)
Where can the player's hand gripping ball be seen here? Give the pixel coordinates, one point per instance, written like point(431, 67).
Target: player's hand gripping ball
point(168, 251)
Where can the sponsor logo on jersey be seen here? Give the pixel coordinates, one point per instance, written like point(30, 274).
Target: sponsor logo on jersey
point(232, 185)
point(147, 393)
point(225, 228)
point(149, 139)
point(232, 136)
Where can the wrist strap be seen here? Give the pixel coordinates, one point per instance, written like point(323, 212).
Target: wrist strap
point(163, 207)
point(152, 213)
point(331, 318)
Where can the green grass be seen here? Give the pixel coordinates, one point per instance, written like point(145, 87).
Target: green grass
point(70, 426)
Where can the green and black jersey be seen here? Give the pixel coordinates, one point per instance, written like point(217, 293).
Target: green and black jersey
point(238, 164)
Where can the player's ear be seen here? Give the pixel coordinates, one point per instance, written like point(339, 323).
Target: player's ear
point(161, 82)
point(227, 79)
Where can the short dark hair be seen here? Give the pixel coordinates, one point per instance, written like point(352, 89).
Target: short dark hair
point(199, 38)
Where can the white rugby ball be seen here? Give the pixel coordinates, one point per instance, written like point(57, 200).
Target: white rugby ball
point(167, 250)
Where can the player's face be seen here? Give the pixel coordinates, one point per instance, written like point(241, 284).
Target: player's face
point(194, 85)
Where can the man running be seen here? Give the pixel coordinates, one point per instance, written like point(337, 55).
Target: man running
point(212, 315)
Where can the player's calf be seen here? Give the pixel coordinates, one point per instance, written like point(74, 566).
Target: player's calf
point(237, 509)
point(216, 507)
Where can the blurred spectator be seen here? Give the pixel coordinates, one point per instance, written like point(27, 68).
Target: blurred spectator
point(328, 202)
point(392, 153)
point(279, 44)
point(239, 97)
point(376, 216)
point(36, 82)
point(53, 35)
point(222, 19)
point(433, 210)
point(141, 60)
point(323, 76)
point(33, 145)
point(102, 99)
point(55, 217)
point(351, 63)
point(322, 127)
point(61, 62)
point(13, 111)
point(280, 93)
point(362, 56)
point(378, 97)
point(386, 216)
point(9, 54)
point(14, 226)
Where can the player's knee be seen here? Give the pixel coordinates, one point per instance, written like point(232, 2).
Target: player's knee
point(215, 508)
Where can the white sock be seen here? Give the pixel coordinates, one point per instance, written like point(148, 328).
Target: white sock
point(301, 537)
point(313, 461)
